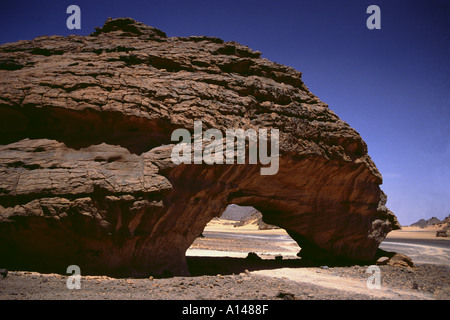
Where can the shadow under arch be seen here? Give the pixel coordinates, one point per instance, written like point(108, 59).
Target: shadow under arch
point(199, 266)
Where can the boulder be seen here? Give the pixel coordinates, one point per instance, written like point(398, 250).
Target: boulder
point(86, 170)
point(441, 233)
point(393, 259)
point(401, 260)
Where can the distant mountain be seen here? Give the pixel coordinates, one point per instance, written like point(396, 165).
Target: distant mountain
point(422, 223)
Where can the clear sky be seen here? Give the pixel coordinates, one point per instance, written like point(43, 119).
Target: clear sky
point(392, 85)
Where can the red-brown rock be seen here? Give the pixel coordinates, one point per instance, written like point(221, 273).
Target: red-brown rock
point(86, 174)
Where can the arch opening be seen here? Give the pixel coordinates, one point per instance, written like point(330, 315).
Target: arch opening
point(240, 240)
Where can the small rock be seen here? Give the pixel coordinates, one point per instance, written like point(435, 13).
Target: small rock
point(4, 273)
point(324, 267)
point(253, 256)
point(286, 295)
point(415, 285)
point(382, 261)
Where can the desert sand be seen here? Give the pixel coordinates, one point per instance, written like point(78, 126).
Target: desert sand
point(421, 245)
point(417, 233)
point(220, 270)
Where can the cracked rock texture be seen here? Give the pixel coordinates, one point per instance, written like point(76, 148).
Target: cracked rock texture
point(85, 171)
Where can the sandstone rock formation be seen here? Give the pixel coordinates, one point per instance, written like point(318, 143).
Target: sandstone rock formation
point(86, 174)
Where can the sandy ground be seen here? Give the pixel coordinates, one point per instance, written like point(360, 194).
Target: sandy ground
point(417, 233)
point(219, 270)
point(421, 245)
point(223, 239)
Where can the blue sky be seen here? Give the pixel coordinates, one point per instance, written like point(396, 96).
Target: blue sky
point(392, 85)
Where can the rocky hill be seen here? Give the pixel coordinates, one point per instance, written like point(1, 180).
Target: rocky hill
point(432, 222)
point(85, 156)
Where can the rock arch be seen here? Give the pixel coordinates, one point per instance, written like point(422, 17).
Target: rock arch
point(85, 163)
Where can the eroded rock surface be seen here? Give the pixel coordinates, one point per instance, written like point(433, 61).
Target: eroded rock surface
point(86, 176)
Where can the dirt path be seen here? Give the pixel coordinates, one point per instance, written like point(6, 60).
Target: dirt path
point(220, 270)
point(318, 277)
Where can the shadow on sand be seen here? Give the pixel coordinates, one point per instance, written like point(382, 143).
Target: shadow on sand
point(199, 266)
